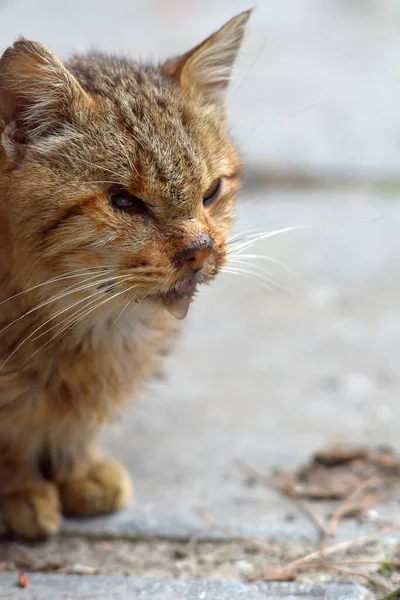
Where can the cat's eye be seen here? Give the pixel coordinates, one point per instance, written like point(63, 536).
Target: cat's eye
point(122, 200)
point(213, 192)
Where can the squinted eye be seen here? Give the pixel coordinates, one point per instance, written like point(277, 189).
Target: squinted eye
point(123, 200)
point(213, 192)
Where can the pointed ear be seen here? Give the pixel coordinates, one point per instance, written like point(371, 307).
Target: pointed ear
point(207, 68)
point(37, 93)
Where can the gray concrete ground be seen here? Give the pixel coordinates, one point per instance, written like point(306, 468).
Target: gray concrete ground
point(53, 587)
point(316, 87)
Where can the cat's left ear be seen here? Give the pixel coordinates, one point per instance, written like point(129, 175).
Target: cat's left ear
point(38, 95)
point(207, 68)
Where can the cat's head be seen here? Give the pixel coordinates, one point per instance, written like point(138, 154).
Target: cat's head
point(121, 172)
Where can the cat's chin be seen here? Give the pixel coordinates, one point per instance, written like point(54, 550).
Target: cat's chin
point(178, 300)
point(176, 304)
point(179, 307)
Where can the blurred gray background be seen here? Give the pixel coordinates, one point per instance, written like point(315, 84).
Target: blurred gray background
point(316, 87)
point(269, 376)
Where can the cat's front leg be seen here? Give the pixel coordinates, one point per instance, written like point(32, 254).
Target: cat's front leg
point(37, 488)
point(29, 505)
point(93, 486)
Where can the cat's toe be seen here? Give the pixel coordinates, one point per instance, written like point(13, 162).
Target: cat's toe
point(104, 488)
point(32, 513)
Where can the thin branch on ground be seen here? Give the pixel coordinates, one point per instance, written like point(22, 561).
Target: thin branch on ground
point(287, 490)
point(377, 583)
point(202, 514)
point(353, 504)
point(304, 562)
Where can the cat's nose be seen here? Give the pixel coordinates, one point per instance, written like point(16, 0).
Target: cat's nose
point(196, 255)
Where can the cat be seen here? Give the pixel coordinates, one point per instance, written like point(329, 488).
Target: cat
point(117, 187)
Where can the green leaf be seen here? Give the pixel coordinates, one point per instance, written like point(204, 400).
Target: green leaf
point(393, 596)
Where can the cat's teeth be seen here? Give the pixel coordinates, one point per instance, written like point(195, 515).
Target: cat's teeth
point(179, 308)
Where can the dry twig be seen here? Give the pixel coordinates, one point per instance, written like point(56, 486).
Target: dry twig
point(304, 562)
point(287, 490)
point(200, 512)
point(377, 583)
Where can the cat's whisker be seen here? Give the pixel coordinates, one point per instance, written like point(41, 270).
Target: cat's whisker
point(242, 258)
point(248, 276)
point(234, 238)
point(66, 327)
point(101, 181)
point(69, 307)
point(82, 285)
point(92, 164)
point(251, 239)
point(129, 159)
point(262, 273)
point(121, 313)
point(121, 279)
point(244, 264)
point(68, 275)
point(32, 334)
point(72, 289)
point(72, 320)
point(249, 69)
point(254, 271)
point(130, 302)
point(266, 285)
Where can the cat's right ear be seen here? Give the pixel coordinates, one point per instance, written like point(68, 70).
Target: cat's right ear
point(38, 95)
point(207, 68)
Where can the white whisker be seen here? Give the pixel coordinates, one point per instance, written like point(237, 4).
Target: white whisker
point(262, 275)
point(240, 235)
point(233, 259)
point(82, 285)
point(30, 336)
point(252, 239)
point(64, 330)
point(92, 164)
point(68, 275)
point(249, 276)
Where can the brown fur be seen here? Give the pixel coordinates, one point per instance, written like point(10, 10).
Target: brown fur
point(69, 134)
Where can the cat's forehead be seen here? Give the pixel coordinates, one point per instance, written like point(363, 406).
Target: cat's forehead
point(174, 143)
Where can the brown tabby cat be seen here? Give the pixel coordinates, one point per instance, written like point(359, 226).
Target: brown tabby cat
point(117, 182)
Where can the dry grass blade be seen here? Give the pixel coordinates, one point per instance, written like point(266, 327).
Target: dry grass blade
point(287, 490)
point(373, 580)
point(353, 504)
point(306, 562)
point(201, 513)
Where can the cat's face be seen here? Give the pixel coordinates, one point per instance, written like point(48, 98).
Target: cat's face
point(123, 173)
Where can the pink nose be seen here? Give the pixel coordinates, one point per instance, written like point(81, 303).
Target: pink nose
point(197, 258)
point(196, 255)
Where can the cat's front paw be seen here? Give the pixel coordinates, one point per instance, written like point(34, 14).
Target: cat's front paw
point(32, 513)
point(103, 488)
